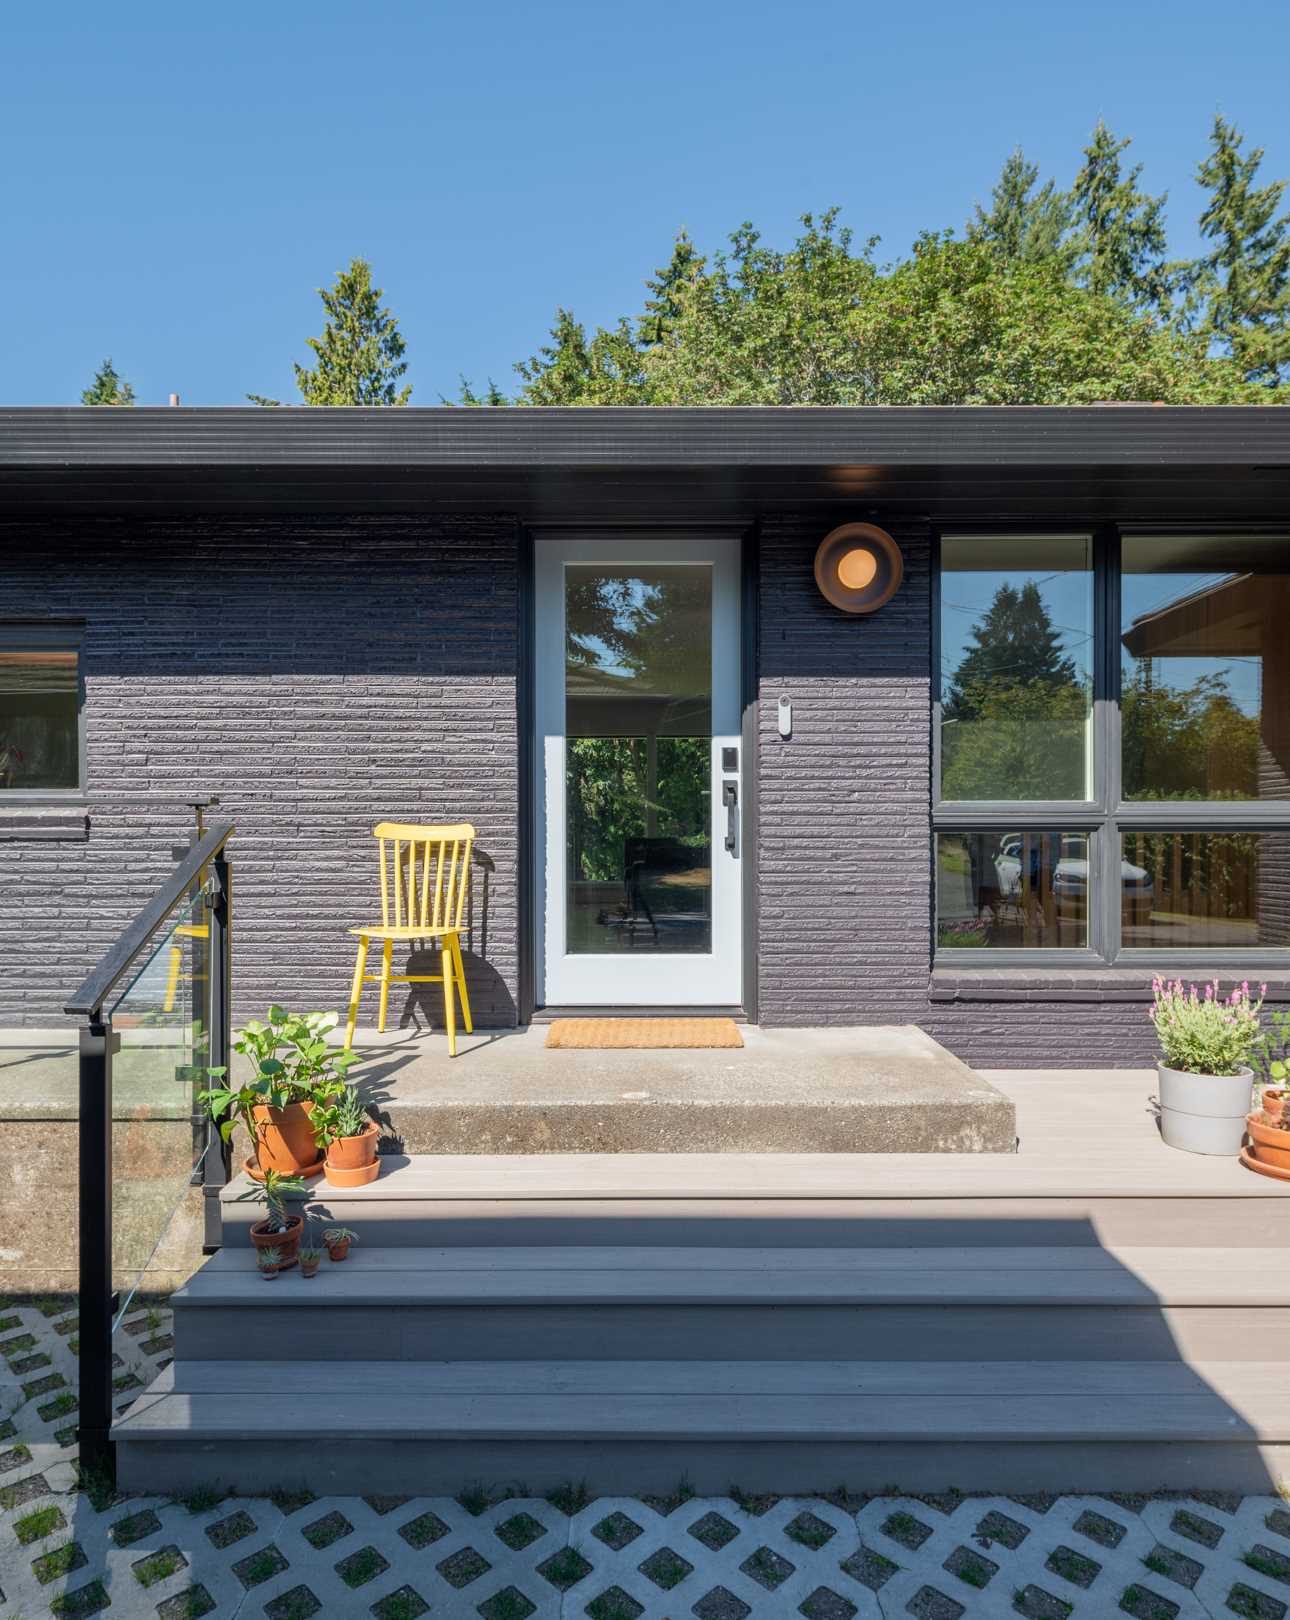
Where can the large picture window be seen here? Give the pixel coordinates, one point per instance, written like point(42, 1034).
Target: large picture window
point(1113, 747)
point(40, 711)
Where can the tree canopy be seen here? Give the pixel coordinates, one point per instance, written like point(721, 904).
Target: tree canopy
point(360, 353)
point(107, 388)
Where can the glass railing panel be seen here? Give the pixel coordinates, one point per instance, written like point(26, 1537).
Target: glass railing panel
point(159, 1018)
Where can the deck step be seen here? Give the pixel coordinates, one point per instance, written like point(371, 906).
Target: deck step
point(614, 1303)
point(629, 1426)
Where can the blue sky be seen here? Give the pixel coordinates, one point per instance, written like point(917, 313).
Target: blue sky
point(178, 180)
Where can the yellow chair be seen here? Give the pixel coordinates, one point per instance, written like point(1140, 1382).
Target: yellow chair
point(429, 908)
point(183, 931)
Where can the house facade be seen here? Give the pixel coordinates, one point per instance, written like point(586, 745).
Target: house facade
point(967, 718)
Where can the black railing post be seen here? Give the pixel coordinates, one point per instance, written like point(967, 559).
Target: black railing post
point(215, 1164)
point(95, 1233)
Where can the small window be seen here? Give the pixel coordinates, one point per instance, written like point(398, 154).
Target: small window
point(40, 711)
point(1012, 889)
point(1016, 647)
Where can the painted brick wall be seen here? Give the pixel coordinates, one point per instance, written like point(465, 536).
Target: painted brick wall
point(844, 871)
point(368, 673)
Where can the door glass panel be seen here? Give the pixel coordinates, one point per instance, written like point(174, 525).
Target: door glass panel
point(638, 752)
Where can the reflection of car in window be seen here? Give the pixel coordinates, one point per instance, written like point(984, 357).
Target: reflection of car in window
point(1069, 877)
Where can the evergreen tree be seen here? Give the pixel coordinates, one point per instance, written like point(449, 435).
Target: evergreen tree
point(1245, 280)
point(667, 286)
point(1014, 646)
point(107, 388)
point(1022, 224)
point(1121, 230)
point(492, 395)
point(360, 353)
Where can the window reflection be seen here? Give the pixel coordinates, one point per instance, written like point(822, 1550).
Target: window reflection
point(39, 709)
point(1011, 890)
point(638, 753)
point(1016, 639)
point(1209, 890)
point(1205, 668)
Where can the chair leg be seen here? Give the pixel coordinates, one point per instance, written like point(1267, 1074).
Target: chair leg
point(356, 993)
point(449, 1000)
point(386, 954)
point(461, 983)
point(172, 978)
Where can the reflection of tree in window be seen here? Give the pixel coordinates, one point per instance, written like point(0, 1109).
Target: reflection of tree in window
point(1015, 711)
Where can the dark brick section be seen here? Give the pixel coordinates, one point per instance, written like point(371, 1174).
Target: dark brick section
point(318, 675)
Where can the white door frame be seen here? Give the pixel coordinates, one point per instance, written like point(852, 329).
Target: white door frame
point(641, 979)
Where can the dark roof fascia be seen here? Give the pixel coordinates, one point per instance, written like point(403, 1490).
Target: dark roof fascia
point(1165, 436)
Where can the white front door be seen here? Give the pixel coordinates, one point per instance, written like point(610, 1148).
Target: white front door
point(638, 757)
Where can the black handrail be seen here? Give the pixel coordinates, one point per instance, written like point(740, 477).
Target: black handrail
point(202, 869)
point(115, 963)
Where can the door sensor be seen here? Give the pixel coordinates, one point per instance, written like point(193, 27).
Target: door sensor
point(785, 717)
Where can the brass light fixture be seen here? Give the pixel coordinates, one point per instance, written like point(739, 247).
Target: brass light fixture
point(858, 568)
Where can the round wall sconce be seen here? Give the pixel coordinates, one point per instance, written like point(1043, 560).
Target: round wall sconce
point(858, 568)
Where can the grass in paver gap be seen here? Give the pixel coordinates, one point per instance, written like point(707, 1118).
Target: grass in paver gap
point(297, 1604)
point(1144, 1604)
point(66, 1436)
point(826, 1604)
point(51, 1566)
point(8, 1322)
point(68, 1326)
point(751, 1502)
point(42, 1386)
point(331, 1527)
point(7, 1430)
point(521, 1531)
point(665, 1568)
point(35, 1526)
point(1106, 1532)
point(870, 1568)
point(26, 1364)
point(809, 1531)
point(159, 1566)
point(664, 1505)
point(1036, 1604)
point(98, 1487)
point(1191, 1525)
point(615, 1604)
point(1278, 1521)
point(189, 1605)
point(26, 1490)
point(564, 1568)
point(715, 1532)
point(202, 1500)
point(722, 1604)
point(1073, 1566)
point(1268, 1561)
point(381, 1505)
point(226, 1532)
point(86, 1600)
point(422, 1531)
point(998, 1527)
point(1251, 1605)
point(291, 1501)
point(54, 1304)
point(60, 1406)
point(260, 1567)
point(617, 1531)
point(767, 1568)
point(972, 1568)
point(907, 1530)
point(508, 1604)
point(125, 1532)
point(463, 1567)
point(16, 1346)
point(476, 1499)
point(929, 1604)
point(570, 1498)
point(1174, 1566)
point(14, 1458)
point(405, 1604)
point(362, 1566)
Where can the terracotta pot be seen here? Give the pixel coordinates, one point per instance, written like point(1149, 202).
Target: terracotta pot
point(308, 1268)
point(288, 1241)
point(358, 1177)
point(1269, 1144)
point(353, 1152)
point(284, 1139)
point(338, 1251)
point(269, 1272)
point(1274, 1101)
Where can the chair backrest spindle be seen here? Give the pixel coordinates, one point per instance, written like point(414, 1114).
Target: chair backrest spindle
point(442, 901)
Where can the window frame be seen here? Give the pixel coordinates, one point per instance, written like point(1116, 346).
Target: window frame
point(1107, 813)
point(21, 635)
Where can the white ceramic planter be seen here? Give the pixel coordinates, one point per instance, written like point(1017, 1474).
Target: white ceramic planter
point(1204, 1113)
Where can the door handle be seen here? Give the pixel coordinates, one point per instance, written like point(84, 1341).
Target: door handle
point(730, 798)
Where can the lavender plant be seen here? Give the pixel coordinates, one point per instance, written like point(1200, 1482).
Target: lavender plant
point(1209, 1033)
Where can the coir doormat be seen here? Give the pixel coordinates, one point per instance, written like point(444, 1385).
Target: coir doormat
point(599, 1034)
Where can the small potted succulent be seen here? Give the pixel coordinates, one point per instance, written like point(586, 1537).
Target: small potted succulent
point(338, 1240)
point(279, 1231)
point(269, 1262)
point(1208, 1046)
point(348, 1135)
point(309, 1261)
point(293, 1069)
point(1274, 1061)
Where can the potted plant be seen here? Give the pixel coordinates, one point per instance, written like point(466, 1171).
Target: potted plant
point(269, 1262)
point(278, 1231)
point(1208, 1045)
point(1273, 1059)
point(338, 1240)
point(348, 1136)
point(293, 1069)
point(309, 1261)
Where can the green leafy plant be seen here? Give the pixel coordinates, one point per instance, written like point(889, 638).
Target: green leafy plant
point(269, 1260)
point(1206, 1034)
point(339, 1114)
point(273, 1192)
point(310, 1256)
point(291, 1060)
point(339, 1234)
